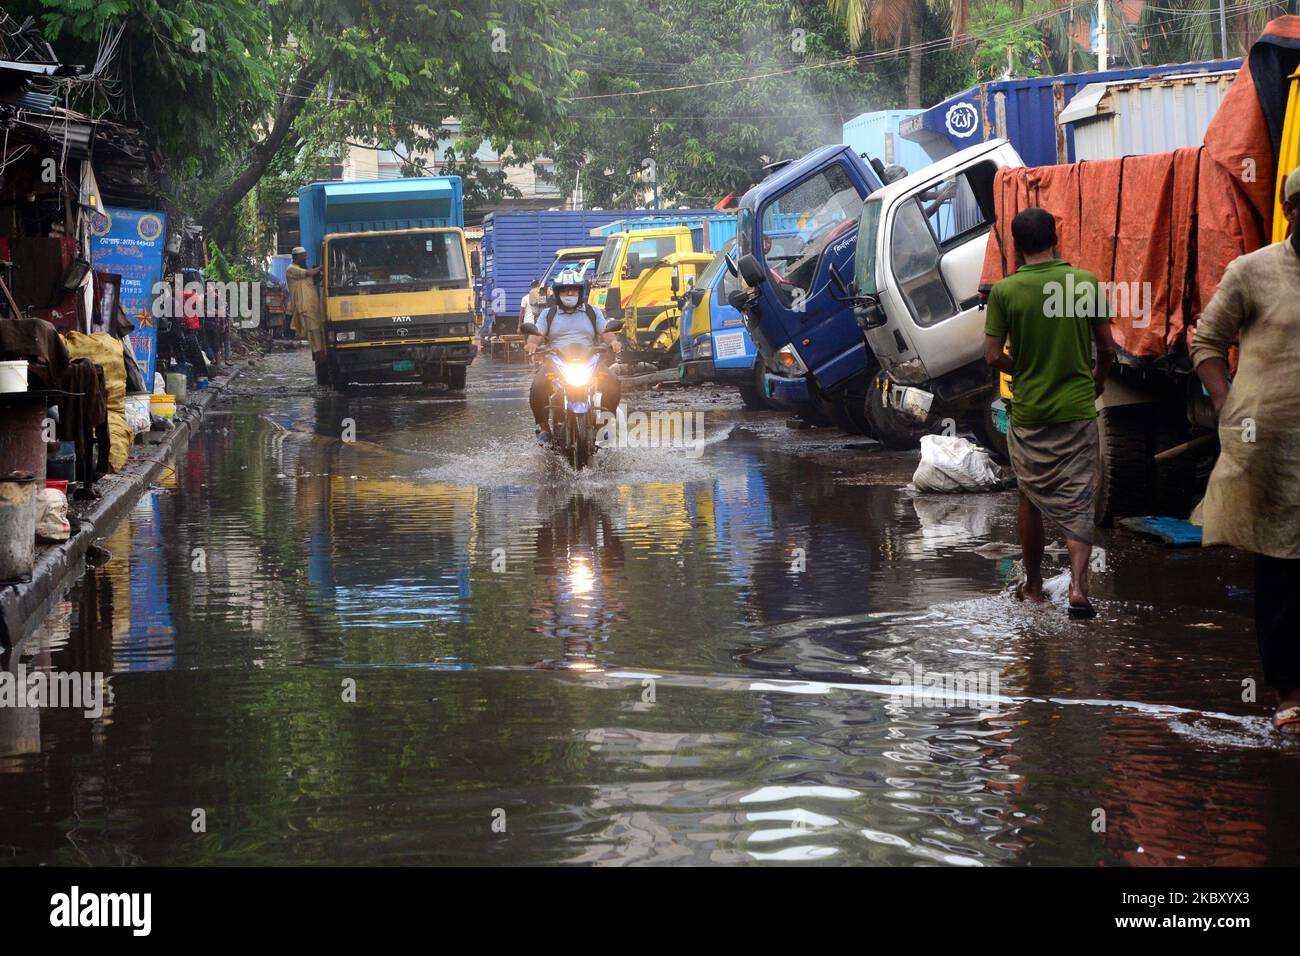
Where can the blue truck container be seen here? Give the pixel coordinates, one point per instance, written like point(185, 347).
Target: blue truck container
point(424, 202)
point(518, 246)
point(1024, 111)
point(710, 229)
point(879, 136)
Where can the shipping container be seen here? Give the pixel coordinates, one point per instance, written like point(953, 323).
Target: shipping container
point(518, 246)
point(710, 229)
point(877, 136)
point(1139, 117)
point(1024, 111)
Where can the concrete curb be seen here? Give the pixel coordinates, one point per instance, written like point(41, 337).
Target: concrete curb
point(21, 605)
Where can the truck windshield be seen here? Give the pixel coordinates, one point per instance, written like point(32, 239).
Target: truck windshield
point(608, 258)
point(717, 265)
point(864, 263)
point(804, 221)
point(410, 262)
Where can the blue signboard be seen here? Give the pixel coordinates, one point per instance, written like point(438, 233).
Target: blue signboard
point(130, 243)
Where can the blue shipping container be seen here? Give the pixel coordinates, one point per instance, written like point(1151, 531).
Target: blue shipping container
point(877, 135)
point(1024, 111)
point(518, 246)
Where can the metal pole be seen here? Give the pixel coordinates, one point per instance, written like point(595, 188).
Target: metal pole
point(1101, 34)
point(1223, 31)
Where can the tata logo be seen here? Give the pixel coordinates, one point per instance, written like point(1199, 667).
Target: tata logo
point(401, 318)
point(962, 120)
point(402, 332)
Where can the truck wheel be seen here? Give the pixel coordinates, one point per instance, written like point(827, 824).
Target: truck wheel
point(851, 411)
point(323, 376)
point(456, 377)
point(751, 389)
point(888, 427)
point(986, 428)
point(1127, 481)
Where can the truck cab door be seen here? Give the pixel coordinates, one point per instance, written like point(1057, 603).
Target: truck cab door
point(930, 255)
point(806, 231)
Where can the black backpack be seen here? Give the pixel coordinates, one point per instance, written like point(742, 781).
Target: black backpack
point(549, 316)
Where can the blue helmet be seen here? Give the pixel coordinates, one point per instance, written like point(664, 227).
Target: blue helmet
point(570, 279)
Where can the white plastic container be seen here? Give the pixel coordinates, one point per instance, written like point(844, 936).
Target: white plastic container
point(13, 376)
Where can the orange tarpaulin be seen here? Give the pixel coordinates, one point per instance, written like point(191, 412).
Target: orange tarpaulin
point(1131, 220)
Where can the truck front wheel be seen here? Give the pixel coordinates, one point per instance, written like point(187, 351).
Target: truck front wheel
point(889, 427)
point(456, 377)
point(323, 376)
point(751, 389)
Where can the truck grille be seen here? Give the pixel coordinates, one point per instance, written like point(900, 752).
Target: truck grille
point(406, 333)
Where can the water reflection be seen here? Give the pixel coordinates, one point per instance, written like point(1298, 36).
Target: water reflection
point(578, 565)
point(723, 634)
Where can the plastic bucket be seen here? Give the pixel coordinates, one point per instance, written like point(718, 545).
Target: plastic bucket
point(17, 527)
point(164, 406)
point(57, 485)
point(13, 375)
point(177, 385)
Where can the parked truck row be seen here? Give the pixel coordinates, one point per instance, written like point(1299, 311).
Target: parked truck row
point(866, 297)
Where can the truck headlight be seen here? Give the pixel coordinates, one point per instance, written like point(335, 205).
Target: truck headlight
point(345, 336)
point(788, 360)
point(704, 348)
point(461, 329)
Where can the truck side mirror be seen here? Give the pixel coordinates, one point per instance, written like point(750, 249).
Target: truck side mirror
point(632, 268)
point(696, 295)
point(475, 262)
point(614, 325)
point(868, 313)
point(614, 302)
point(751, 271)
point(736, 299)
point(675, 283)
point(731, 265)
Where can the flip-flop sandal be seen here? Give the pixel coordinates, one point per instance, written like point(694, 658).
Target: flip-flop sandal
point(1287, 717)
point(1082, 612)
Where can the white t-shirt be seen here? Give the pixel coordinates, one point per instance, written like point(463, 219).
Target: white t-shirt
point(570, 328)
point(526, 307)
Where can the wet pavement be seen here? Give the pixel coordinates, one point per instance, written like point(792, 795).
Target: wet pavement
point(670, 658)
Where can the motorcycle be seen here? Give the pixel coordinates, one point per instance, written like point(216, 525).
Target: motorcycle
point(575, 397)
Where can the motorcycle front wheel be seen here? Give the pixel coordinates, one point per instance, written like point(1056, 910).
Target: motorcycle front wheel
point(583, 441)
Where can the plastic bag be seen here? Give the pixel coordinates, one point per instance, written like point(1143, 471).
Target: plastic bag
point(950, 463)
point(52, 515)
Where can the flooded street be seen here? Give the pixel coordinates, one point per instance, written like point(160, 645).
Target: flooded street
point(671, 658)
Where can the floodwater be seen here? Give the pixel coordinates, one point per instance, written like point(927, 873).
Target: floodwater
point(430, 643)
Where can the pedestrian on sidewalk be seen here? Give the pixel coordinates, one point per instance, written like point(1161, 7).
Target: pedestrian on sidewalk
point(1253, 498)
point(304, 307)
point(1052, 314)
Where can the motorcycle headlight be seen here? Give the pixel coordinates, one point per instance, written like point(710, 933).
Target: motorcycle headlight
point(576, 375)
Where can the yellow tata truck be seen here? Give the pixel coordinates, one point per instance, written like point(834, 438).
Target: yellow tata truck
point(396, 287)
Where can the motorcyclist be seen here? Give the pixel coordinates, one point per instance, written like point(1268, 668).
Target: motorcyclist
point(572, 324)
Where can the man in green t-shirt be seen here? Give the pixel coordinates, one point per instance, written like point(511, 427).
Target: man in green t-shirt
point(1053, 315)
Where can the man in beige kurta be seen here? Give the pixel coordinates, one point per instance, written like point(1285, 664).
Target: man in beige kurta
point(306, 319)
point(1253, 499)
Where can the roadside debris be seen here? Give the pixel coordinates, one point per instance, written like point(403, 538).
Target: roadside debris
point(951, 463)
